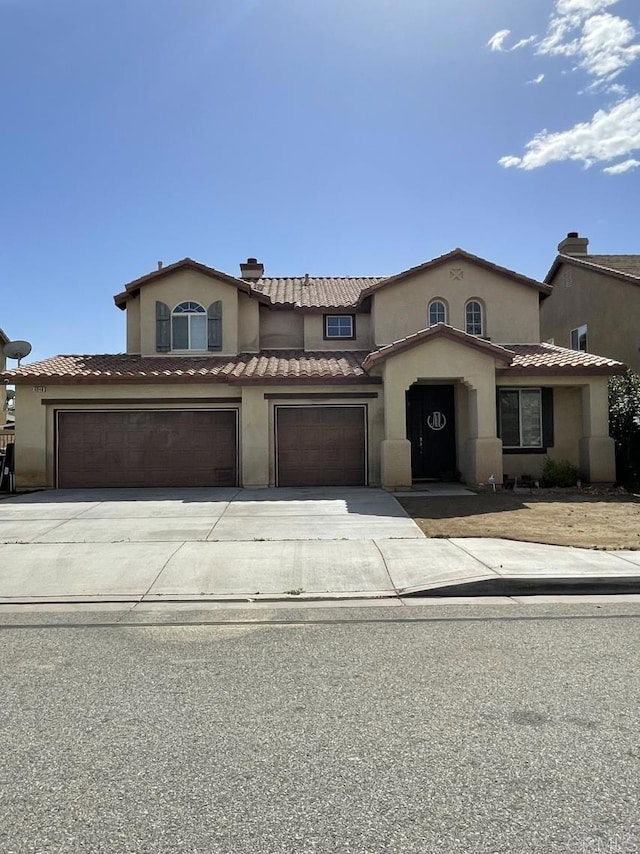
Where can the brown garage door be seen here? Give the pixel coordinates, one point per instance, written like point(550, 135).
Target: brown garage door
point(321, 445)
point(147, 448)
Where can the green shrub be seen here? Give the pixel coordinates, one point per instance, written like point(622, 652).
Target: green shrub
point(559, 473)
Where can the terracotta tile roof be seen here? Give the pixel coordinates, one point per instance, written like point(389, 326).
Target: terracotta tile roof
point(625, 267)
point(549, 359)
point(315, 291)
point(268, 366)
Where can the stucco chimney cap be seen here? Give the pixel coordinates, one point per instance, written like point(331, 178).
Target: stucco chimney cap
point(252, 270)
point(573, 244)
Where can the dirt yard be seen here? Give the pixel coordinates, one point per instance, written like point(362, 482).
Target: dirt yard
point(611, 522)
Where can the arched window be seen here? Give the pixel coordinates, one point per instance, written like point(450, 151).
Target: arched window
point(437, 312)
point(474, 318)
point(189, 327)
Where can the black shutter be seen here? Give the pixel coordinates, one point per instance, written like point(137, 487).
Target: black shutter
point(214, 325)
point(163, 327)
point(547, 417)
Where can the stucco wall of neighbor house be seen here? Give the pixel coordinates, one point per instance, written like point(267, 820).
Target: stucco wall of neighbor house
point(314, 333)
point(443, 361)
point(248, 324)
point(133, 324)
point(580, 426)
point(609, 307)
point(35, 432)
point(511, 309)
point(281, 329)
point(180, 286)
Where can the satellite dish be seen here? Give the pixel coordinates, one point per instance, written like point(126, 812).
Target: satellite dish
point(17, 350)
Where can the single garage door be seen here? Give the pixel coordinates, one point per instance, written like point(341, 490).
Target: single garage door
point(321, 445)
point(147, 448)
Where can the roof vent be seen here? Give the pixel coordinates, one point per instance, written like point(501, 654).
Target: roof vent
point(573, 244)
point(306, 278)
point(251, 270)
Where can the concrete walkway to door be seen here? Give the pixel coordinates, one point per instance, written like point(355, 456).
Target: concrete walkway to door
point(135, 545)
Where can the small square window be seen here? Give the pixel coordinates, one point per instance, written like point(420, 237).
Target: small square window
point(339, 326)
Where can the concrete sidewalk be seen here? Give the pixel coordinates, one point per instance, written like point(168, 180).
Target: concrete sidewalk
point(239, 545)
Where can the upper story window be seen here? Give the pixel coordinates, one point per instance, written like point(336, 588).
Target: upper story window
point(339, 326)
point(579, 338)
point(437, 312)
point(474, 318)
point(188, 327)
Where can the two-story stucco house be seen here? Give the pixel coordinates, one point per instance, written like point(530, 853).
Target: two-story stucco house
point(436, 372)
point(595, 302)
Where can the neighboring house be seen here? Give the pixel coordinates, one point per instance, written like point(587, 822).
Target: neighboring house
point(595, 302)
point(436, 372)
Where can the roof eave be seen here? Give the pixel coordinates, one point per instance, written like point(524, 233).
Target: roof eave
point(450, 256)
point(133, 288)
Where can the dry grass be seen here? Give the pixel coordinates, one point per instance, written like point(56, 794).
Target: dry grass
point(567, 520)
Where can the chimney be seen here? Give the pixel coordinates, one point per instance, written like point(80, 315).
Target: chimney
point(159, 265)
point(573, 244)
point(251, 271)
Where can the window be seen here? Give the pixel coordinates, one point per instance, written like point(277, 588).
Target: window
point(579, 338)
point(474, 321)
point(339, 326)
point(520, 417)
point(437, 312)
point(189, 327)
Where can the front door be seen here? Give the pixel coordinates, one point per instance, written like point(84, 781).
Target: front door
point(431, 430)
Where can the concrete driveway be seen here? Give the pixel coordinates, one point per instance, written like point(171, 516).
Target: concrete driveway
point(198, 515)
point(191, 544)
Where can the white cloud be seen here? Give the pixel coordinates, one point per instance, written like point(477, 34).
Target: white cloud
point(497, 40)
point(625, 166)
point(603, 46)
point(523, 42)
point(607, 136)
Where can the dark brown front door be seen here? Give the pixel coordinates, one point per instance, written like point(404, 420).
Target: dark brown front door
point(431, 430)
point(321, 445)
point(147, 448)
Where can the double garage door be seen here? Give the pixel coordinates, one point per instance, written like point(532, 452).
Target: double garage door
point(147, 448)
point(314, 446)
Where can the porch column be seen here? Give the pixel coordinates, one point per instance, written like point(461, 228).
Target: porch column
point(597, 448)
point(254, 435)
point(395, 450)
point(484, 449)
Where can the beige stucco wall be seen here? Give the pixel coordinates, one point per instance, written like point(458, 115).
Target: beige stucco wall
point(35, 430)
point(188, 285)
point(511, 316)
point(609, 307)
point(314, 333)
point(248, 324)
point(133, 324)
point(281, 329)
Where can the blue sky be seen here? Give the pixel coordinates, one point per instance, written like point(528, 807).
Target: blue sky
point(334, 137)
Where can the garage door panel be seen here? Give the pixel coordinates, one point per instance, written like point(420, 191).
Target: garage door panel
point(321, 445)
point(147, 448)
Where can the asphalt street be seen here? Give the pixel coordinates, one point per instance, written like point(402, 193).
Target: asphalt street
point(508, 730)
